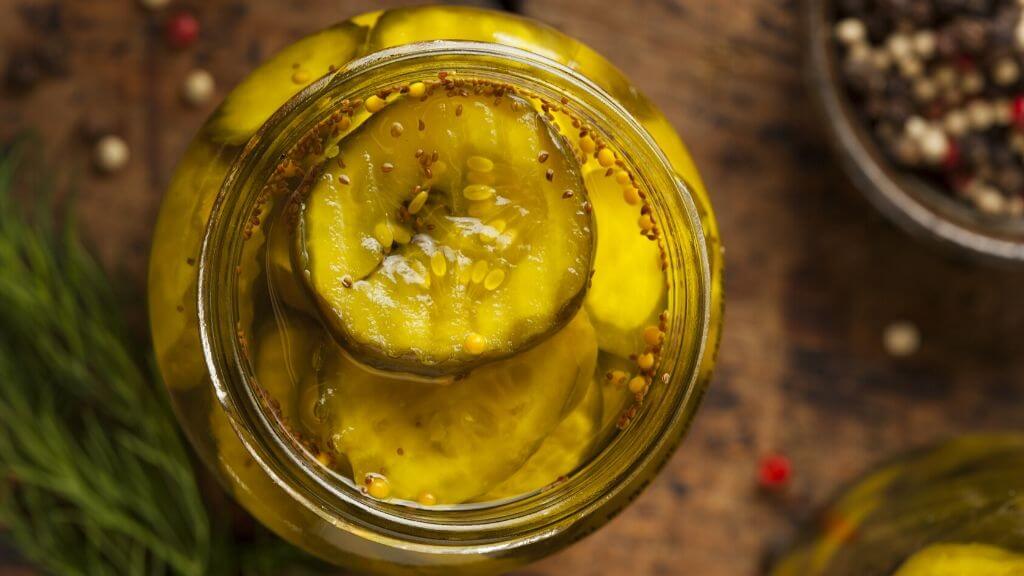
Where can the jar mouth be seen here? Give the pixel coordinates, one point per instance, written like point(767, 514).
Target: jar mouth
point(608, 479)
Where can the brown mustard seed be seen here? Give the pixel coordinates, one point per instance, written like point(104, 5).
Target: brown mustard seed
point(397, 129)
point(550, 175)
point(387, 167)
point(543, 157)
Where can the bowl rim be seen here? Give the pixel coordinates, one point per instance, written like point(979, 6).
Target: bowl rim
point(915, 205)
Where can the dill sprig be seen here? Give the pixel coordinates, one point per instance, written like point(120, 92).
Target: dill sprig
point(94, 478)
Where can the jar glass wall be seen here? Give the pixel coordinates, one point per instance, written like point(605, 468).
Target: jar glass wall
point(202, 328)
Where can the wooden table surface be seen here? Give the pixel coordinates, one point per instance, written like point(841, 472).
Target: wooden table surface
point(814, 273)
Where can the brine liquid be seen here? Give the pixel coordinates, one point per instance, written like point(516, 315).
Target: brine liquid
point(496, 429)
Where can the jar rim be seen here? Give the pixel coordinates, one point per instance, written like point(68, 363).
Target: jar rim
point(492, 527)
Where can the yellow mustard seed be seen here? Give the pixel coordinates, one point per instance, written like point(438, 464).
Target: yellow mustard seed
point(477, 192)
point(645, 361)
point(374, 104)
point(439, 264)
point(622, 177)
point(588, 145)
point(480, 164)
point(378, 487)
point(301, 77)
point(631, 195)
point(638, 385)
point(426, 499)
point(475, 344)
point(494, 279)
point(418, 202)
point(332, 152)
point(479, 271)
point(653, 335)
point(646, 222)
point(618, 377)
point(323, 458)
point(383, 233)
point(605, 157)
point(417, 89)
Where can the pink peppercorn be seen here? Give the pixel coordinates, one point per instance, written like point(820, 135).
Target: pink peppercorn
point(1018, 112)
point(774, 472)
point(181, 30)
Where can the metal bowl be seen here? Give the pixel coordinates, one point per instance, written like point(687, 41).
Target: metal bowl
point(918, 206)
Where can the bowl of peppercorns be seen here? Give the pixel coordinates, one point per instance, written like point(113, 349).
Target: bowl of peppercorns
point(925, 105)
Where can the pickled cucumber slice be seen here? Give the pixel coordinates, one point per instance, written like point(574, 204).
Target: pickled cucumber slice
point(284, 359)
point(285, 286)
point(253, 101)
point(425, 23)
point(963, 560)
point(459, 441)
point(621, 309)
point(444, 242)
point(566, 448)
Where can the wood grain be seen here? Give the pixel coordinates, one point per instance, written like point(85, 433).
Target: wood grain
point(814, 273)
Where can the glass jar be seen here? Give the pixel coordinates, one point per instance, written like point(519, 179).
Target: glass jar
point(199, 319)
point(952, 509)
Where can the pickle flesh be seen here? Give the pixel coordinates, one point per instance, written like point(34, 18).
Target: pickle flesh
point(440, 241)
point(459, 441)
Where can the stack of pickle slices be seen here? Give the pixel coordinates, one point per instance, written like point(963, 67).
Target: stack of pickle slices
point(443, 266)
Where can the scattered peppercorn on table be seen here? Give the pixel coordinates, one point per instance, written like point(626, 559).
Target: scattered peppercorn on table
point(815, 275)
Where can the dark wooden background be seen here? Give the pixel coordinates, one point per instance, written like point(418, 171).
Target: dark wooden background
point(814, 273)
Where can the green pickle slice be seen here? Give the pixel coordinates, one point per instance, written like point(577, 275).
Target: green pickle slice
point(620, 310)
point(285, 360)
point(450, 444)
point(563, 450)
point(449, 232)
point(279, 79)
point(963, 560)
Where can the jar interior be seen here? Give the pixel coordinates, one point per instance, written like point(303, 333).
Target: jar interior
point(233, 263)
